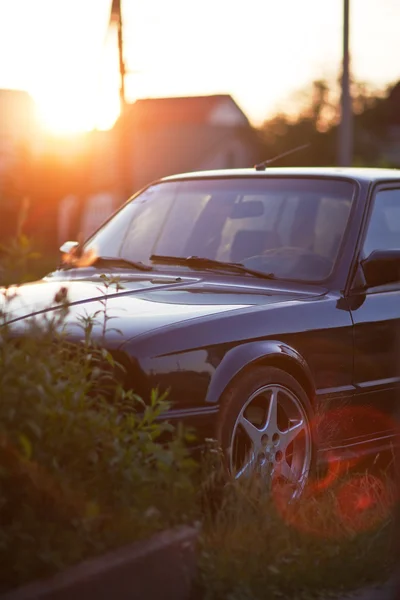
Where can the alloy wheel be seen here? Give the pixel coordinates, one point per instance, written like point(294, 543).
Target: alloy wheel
point(271, 439)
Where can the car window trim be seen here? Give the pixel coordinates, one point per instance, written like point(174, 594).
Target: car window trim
point(336, 272)
point(375, 188)
point(354, 197)
point(382, 289)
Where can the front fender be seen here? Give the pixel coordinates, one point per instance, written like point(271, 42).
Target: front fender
point(245, 355)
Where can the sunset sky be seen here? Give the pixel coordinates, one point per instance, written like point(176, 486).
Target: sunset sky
point(260, 51)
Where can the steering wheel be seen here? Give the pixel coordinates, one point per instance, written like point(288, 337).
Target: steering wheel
point(321, 262)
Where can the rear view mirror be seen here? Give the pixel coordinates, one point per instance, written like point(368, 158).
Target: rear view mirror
point(382, 267)
point(247, 210)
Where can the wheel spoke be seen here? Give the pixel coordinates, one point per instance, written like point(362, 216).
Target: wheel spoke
point(248, 466)
point(285, 471)
point(288, 436)
point(252, 431)
point(272, 418)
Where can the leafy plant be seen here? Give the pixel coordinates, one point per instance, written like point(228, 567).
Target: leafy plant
point(85, 465)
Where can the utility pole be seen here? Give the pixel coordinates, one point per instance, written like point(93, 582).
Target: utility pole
point(116, 19)
point(345, 146)
point(123, 146)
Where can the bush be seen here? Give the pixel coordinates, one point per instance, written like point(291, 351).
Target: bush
point(84, 465)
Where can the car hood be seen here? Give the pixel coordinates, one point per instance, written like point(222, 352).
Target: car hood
point(144, 303)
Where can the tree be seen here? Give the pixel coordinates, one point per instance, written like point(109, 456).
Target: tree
point(316, 123)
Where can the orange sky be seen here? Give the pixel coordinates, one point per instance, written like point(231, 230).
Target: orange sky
point(260, 51)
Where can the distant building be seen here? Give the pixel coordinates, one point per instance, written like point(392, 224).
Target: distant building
point(98, 208)
point(161, 136)
point(166, 136)
point(17, 125)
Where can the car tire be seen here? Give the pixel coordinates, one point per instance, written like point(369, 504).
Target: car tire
point(268, 445)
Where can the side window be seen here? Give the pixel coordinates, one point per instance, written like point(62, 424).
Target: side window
point(383, 231)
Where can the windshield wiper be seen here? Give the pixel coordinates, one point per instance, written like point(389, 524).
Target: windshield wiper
point(209, 263)
point(123, 263)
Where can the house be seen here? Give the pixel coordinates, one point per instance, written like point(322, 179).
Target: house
point(17, 126)
point(166, 136)
point(154, 138)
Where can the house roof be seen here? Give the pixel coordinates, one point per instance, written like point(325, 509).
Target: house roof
point(17, 112)
point(156, 112)
point(10, 95)
point(15, 102)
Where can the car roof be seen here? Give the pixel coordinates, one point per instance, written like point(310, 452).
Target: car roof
point(357, 174)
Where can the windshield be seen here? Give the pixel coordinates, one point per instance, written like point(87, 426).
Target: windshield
point(290, 227)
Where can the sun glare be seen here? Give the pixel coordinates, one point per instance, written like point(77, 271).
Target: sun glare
point(67, 114)
point(85, 101)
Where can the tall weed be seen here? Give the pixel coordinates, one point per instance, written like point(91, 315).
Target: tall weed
point(85, 465)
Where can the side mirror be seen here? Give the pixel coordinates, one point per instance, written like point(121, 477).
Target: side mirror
point(382, 267)
point(67, 247)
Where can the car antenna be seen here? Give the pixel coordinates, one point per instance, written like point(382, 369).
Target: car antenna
point(263, 165)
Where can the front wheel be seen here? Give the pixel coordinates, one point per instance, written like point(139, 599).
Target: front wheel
point(264, 428)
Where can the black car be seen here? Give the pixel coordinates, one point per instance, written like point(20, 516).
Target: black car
point(266, 301)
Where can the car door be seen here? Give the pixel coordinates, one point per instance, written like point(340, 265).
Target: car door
point(376, 316)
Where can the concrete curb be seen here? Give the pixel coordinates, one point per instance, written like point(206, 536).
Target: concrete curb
point(162, 567)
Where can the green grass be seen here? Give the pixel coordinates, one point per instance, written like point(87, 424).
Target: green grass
point(43, 266)
point(21, 262)
point(85, 465)
point(333, 540)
